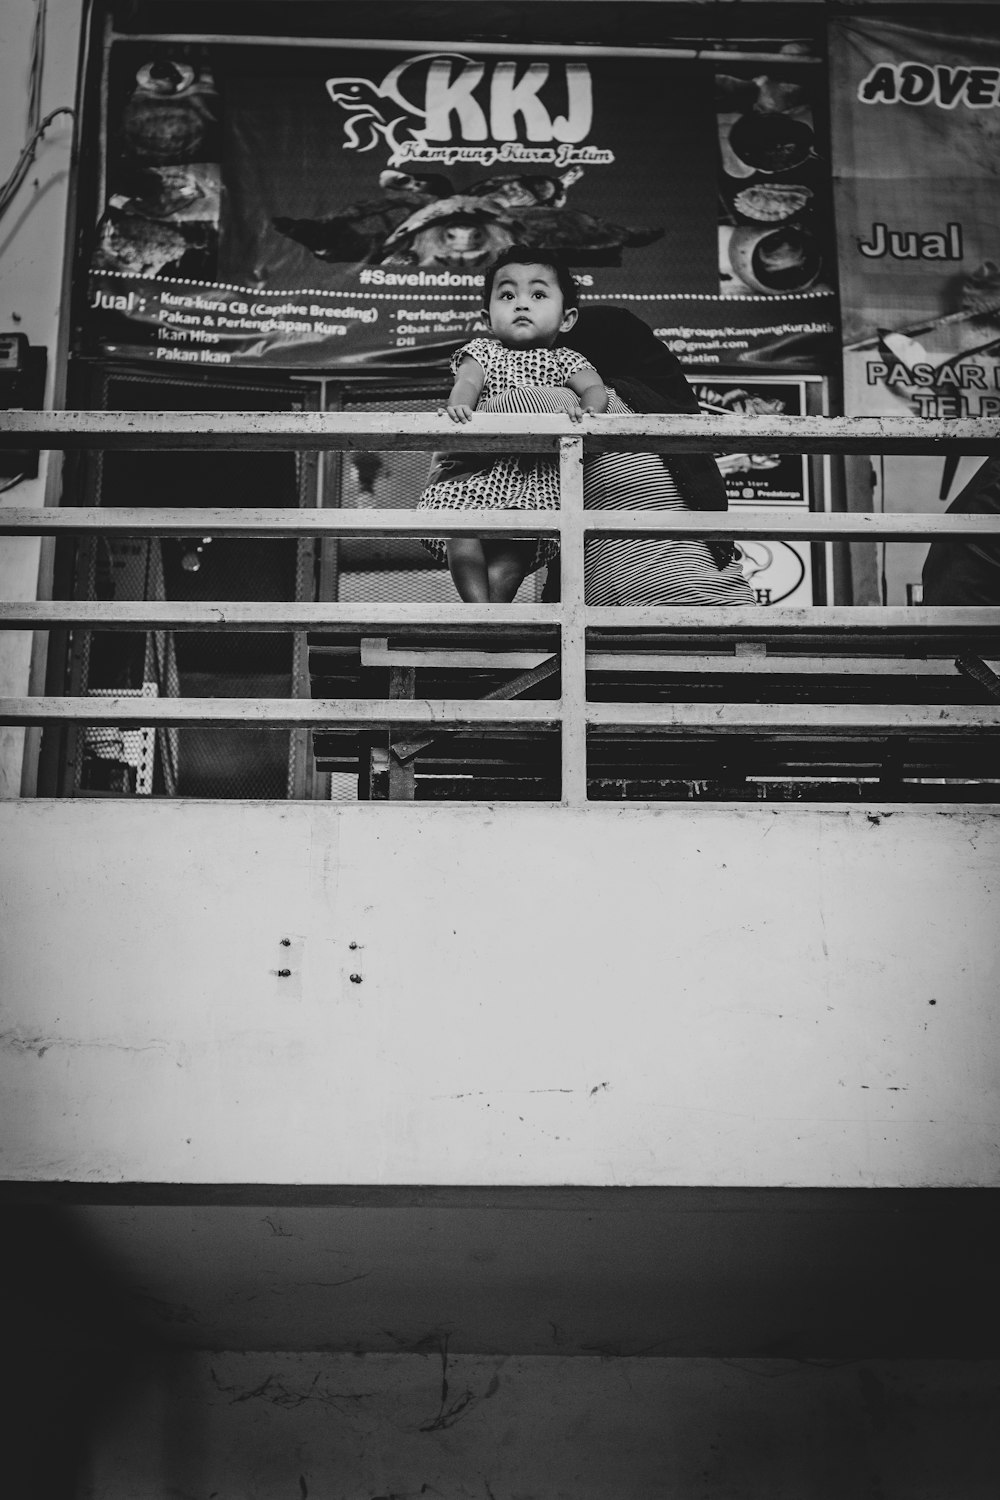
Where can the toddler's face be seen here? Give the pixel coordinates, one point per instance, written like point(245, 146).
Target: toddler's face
point(526, 308)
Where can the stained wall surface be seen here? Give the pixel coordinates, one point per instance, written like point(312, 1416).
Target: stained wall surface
point(204, 992)
point(291, 1427)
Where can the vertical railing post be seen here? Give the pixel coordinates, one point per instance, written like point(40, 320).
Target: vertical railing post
point(573, 641)
point(402, 773)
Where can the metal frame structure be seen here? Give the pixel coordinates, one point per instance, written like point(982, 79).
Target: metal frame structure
point(824, 631)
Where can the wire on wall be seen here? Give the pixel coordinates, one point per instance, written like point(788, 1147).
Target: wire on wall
point(36, 67)
point(37, 126)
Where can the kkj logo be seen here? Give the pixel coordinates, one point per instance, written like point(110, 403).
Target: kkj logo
point(426, 104)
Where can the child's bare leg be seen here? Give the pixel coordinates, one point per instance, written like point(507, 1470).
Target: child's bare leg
point(467, 565)
point(507, 566)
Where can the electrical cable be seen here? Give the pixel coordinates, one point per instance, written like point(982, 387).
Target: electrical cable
point(37, 126)
point(11, 483)
point(20, 172)
point(36, 67)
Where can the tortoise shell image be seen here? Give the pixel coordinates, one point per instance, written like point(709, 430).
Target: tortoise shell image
point(169, 112)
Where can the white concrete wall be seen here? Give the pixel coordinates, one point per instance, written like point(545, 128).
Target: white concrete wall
point(713, 996)
point(278, 1426)
point(32, 250)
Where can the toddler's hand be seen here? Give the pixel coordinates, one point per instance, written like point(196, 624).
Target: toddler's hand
point(459, 413)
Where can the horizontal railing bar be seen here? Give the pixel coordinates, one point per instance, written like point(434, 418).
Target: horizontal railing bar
point(799, 625)
point(492, 433)
point(360, 618)
point(705, 663)
point(747, 524)
point(279, 713)
point(709, 664)
point(87, 520)
point(815, 526)
point(852, 719)
point(376, 653)
point(798, 622)
point(456, 714)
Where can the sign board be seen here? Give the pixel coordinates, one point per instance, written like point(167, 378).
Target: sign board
point(916, 130)
point(779, 572)
point(309, 207)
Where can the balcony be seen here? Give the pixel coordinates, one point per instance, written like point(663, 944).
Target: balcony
point(651, 701)
point(374, 1132)
point(309, 993)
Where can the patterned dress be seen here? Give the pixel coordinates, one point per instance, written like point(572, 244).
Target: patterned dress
point(518, 380)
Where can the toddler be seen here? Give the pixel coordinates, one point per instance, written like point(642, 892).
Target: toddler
point(530, 300)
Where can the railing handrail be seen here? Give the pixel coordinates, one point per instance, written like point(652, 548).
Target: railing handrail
point(491, 433)
point(749, 524)
point(808, 719)
point(537, 620)
point(569, 621)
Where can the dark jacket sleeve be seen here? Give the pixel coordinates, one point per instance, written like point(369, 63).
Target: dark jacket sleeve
point(967, 571)
point(697, 474)
point(648, 377)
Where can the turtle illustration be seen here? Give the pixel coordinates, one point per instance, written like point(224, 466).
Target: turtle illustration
point(468, 230)
point(528, 190)
point(462, 230)
point(361, 229)
point(472, 228)
point(366, 124)
point(424, 221)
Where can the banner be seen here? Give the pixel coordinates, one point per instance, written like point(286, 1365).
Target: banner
point(778, 572)
point(309, 207)
point(916, 130)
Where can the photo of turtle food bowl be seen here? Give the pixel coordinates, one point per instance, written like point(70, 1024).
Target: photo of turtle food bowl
point(775, 257)
point(773, 189)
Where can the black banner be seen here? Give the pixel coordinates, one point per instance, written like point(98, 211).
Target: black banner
point(307, 207)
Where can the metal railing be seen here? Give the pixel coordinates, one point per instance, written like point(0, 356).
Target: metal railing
point(561, 627)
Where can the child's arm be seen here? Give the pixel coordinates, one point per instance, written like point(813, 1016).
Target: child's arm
point(591, 391)
point(467, 389)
